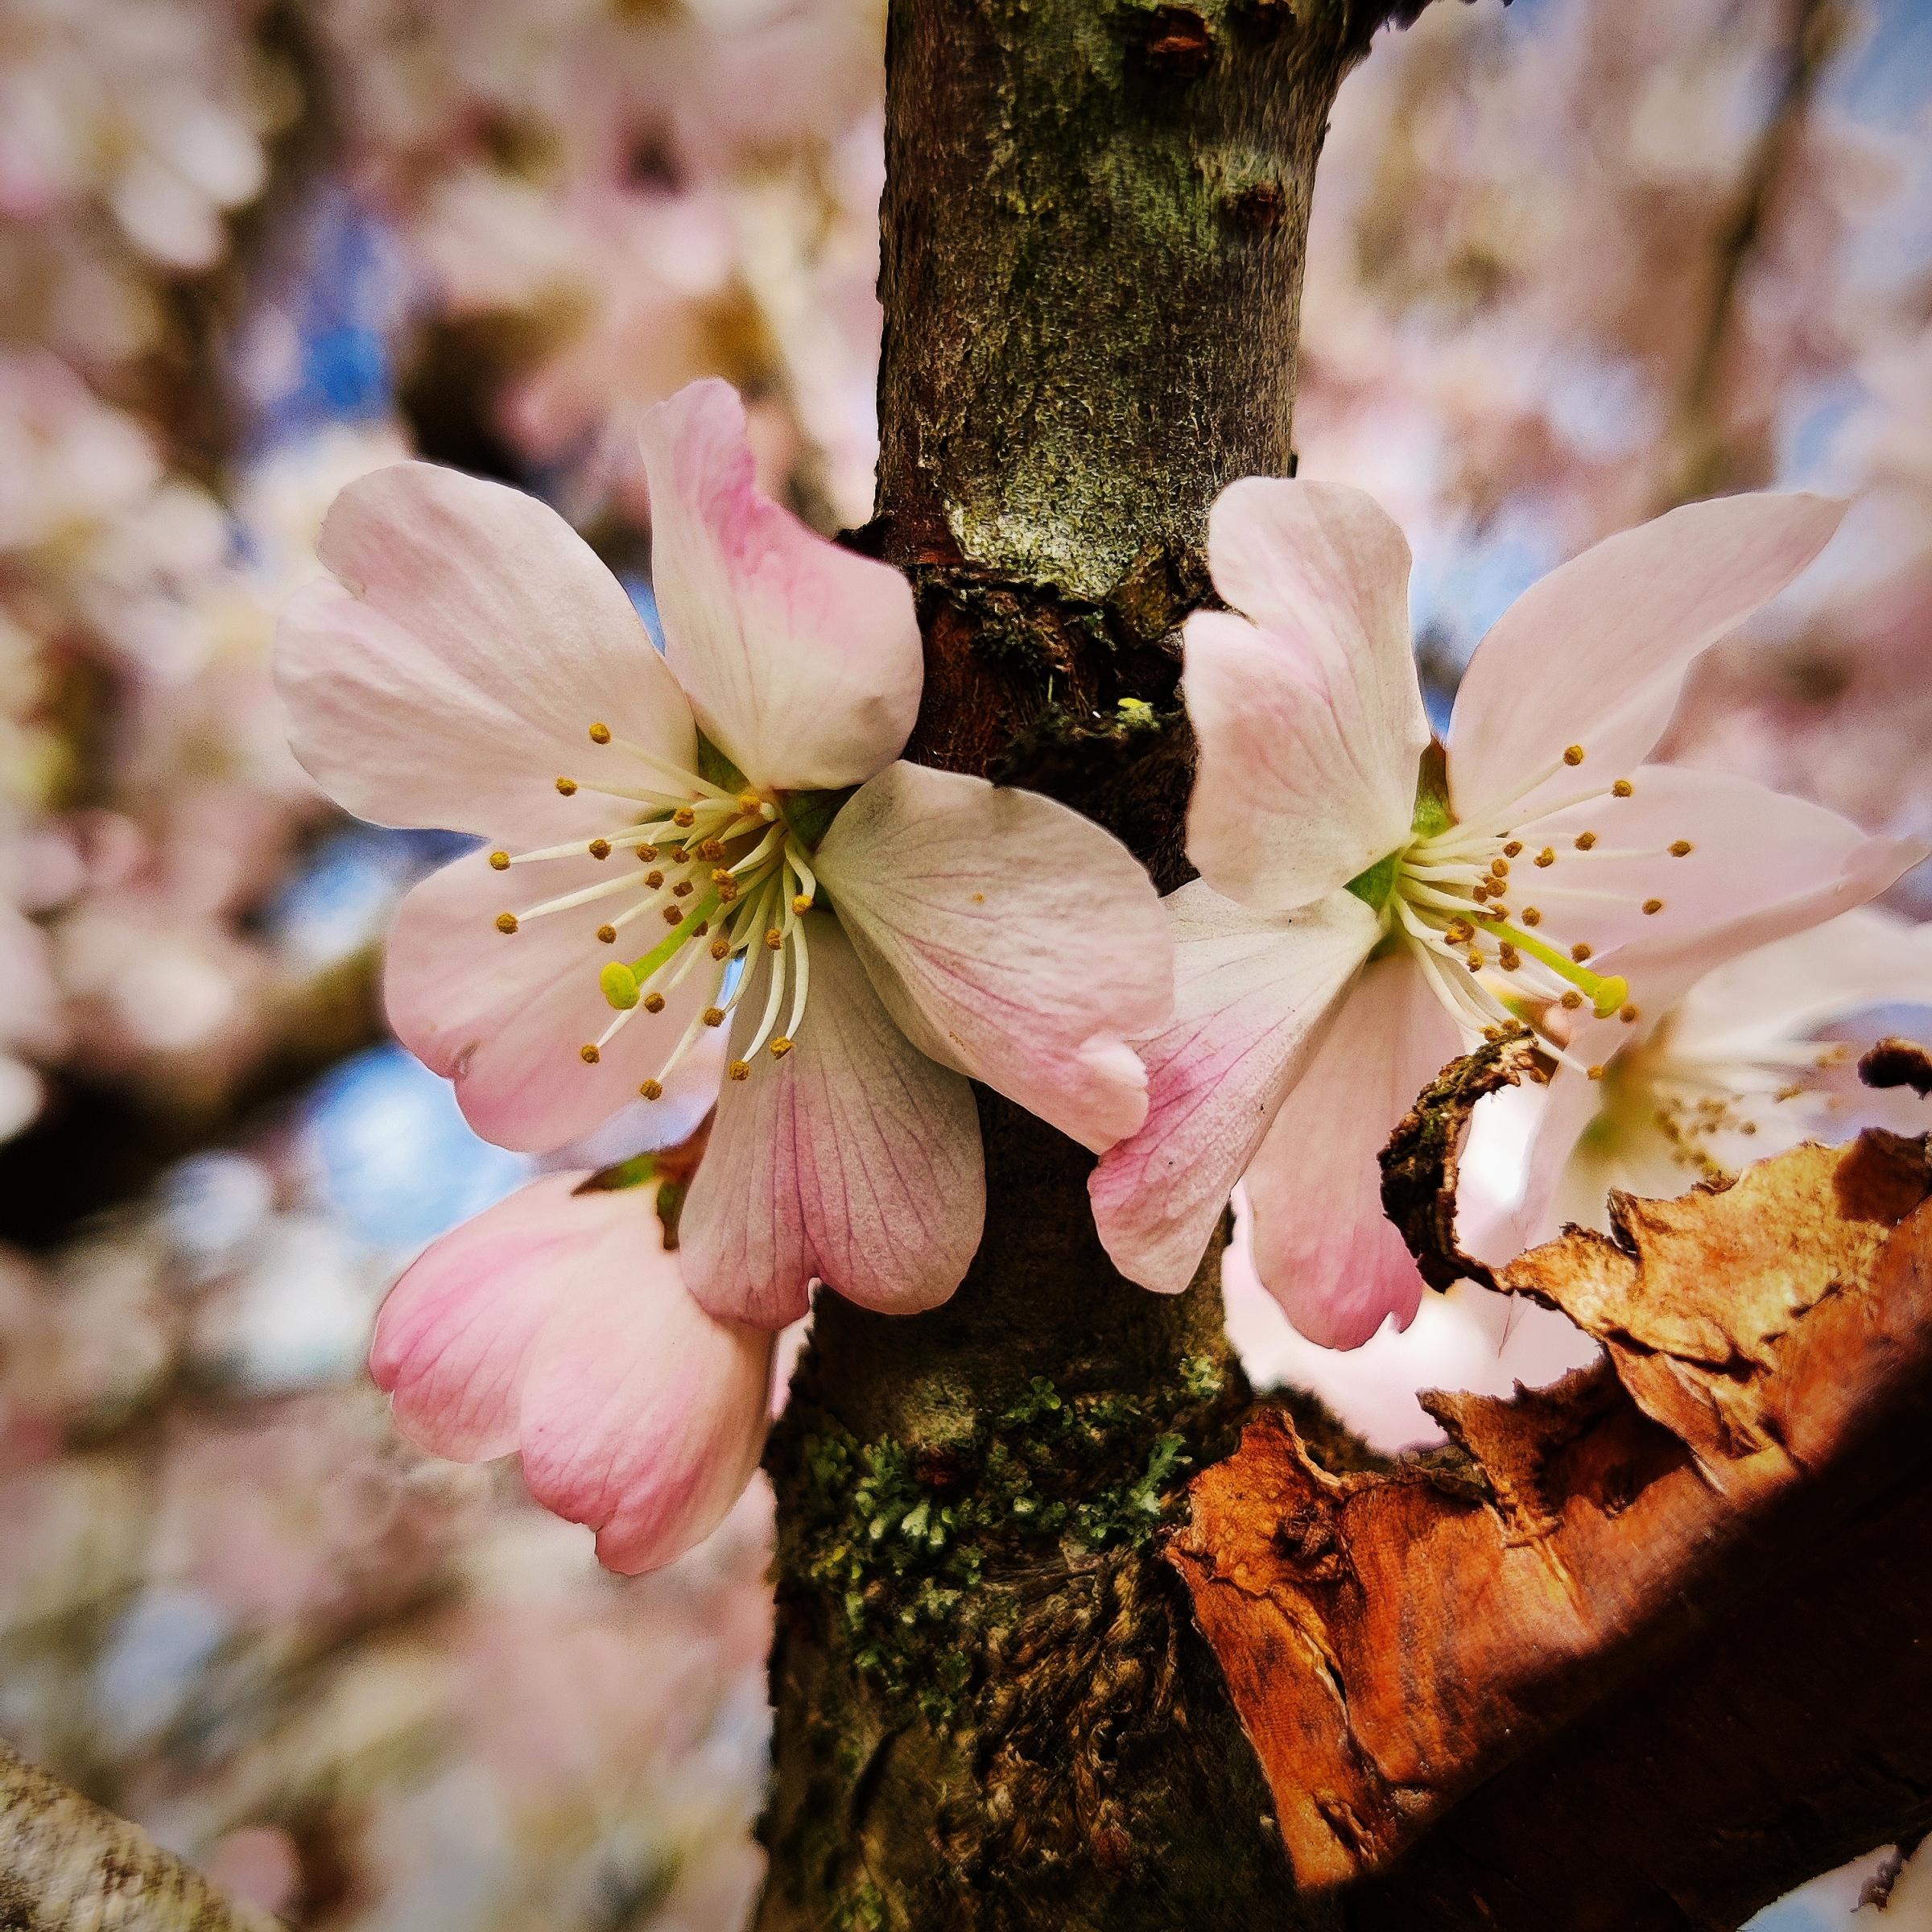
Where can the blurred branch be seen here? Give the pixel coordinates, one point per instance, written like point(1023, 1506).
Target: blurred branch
point(67, 1864)
point(1704, 461)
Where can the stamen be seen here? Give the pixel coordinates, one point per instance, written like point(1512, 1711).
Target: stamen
point(600, 734)
point(608, 935)
point(1653, 905)
point(1546, 858)
point(599, 848)
point(589, 1055)
point(1681, 848)
point(654, 1002)
point(740, 1069)
point(651, 1090)
point(567, 786)
point(1622, 789)
point(507, 922)
point(499, 861)
point(1585, 840)
point(1574, 755)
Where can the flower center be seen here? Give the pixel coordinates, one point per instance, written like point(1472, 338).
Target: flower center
point(1461, 899)
point(723, 867)
point(1695, 1101)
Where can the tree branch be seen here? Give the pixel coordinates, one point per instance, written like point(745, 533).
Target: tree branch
point(68, 1866)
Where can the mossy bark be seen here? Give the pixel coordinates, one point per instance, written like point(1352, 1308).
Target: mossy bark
point(991, 1710)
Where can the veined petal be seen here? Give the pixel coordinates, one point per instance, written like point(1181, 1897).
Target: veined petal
point(455, 1336)
point(504, 1015)
point(1011, 940)
point(1252, 992)
point(1762, 865)
point(642, 1416)
point(802, 660)
point(1322, 1246)
point(1306, 706)
point(1594, 654)
point(854, 1160)
point(451, 673)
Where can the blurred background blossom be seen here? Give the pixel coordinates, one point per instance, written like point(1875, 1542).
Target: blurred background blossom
point(1571, 263)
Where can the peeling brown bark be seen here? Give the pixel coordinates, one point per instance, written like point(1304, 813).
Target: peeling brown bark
point(1652, 1655)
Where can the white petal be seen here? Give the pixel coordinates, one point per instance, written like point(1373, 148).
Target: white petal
point(1011, 939)
point(1252, 992)
point(853, 1160)
point(1307, 706)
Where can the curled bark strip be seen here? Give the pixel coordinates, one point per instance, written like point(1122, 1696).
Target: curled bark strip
point(68, 1866)
point(1393, 1641)
point(1893, 1062)
point(1419, 1164)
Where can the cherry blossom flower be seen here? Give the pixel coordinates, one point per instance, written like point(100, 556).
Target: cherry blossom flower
point(700, 858)
point(1733, 1070)
point(557, 1324)
point(1355, 927)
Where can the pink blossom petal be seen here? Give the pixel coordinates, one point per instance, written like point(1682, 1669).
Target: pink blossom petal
point(504, 1015)
point(455, 1336)
point(1306, 706)
point(854, 1160)
point(1252, 992)
point(1322, 1246)
point(1595, 653)
point(452, 674)
point(642, 1416)
point(803, 661)
point(1012, 939)
point(1761, 864)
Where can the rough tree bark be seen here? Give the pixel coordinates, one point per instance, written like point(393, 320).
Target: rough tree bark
point(990, 1711)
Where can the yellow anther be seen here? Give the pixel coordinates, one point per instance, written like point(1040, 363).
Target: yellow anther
point(740, 1070)
point(1653, 905)
point(1681, 848)
point(1597, 1073)
point(1531, 916)
point(589, 1054)
point(654, 878)
point(801, 903)
point(1509, 958)
point(1514, 848)
point(1492, 1033)
point(1459, 932)
point(1579, 952)
point(507, 922)
point(654, 1002)
point(774, 939)
point(600, 734)
point(713, 849)
point(1585, 840)
point(1570, 1002)
point(679, 856)
point(750, 804)
point(608, 935)
point(1574, 755)
point(599, 848)
point(1475, 960)
point(499, 861)
point(683, 818)
point(567, 786)
point(1481, 892)
point(674, 915)
point(1622, 789)
point(698, 930)
point(780, 1048)
point(1545, 856)
point(619, 985)
point(645, 854)
point(714, 1016)
point(683, 889)
point(728, 892)
point(721, 948)
point(1498, 868)
point(1628, 1014)
point(721, 876)
point(651, 1090)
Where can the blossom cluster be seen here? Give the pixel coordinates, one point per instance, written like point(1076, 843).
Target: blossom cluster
point(724, 849)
